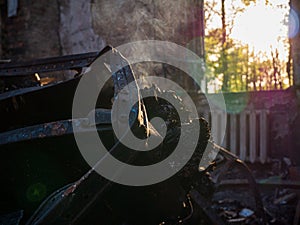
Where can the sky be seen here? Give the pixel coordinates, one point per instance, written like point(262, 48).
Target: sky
point(262, 27)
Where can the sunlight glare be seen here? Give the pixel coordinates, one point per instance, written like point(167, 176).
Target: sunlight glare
point(259, 26)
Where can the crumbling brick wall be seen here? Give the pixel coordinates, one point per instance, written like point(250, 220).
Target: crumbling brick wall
point(33, 32)
point(295, 41)
point(47, 28)
point(76, 29)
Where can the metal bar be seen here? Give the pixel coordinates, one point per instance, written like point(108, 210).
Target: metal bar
point(252, 136)
point(251, 181)
point(297, 214)
point(50, 64)
point(264, 137)
point(215, 126)
point(233, 133)
point(206, 206)
point(57, 128)
point(47, 65)
point(223, 120)
point(243, 147)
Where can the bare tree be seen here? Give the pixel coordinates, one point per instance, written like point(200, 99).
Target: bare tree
point(223, 52)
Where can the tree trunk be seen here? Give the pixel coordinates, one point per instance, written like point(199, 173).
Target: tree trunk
point(225, 87)
point(295, 41)
point(289, 64)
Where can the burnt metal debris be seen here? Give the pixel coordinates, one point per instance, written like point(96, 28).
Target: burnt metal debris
point(37, 145)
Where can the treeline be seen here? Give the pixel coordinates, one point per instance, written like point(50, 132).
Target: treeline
point(232, 66)
point(245, 70)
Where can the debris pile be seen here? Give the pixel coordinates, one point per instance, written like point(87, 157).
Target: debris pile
point(226, 192)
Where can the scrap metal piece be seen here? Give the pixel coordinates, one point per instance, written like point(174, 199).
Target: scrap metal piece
point(246, 212)
point(69, 204)
point(122, 75)
point(234, 161)
point(57, 128)
point(297, 214)
point(75, 62)
point(28, 105)
point(284, 199)
point(206, 206)
point(12, 7)
point(11, 218)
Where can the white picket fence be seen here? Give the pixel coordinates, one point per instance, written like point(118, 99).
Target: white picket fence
point(246, 133)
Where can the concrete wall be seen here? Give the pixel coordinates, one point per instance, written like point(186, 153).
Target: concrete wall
point(48, 28)
point(33, 32)
point(76, 30)
point(295, 4)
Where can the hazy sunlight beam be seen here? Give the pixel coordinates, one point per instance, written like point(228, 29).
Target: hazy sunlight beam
point(259, 27)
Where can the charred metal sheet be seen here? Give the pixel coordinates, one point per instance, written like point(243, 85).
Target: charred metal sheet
point(232, 160)
point(57, 128)
point(122, 75)
point(68, 204)
point(11, 218)
point(36, 105)
point(75, 62)
point(72, 204)
point(102, 116)
point(297, 214)
point(37, 131)
point(206, 206)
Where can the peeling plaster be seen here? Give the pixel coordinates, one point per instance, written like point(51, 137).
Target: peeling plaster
point(76, 28)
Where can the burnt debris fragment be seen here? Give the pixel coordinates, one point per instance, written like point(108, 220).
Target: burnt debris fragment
point(38, 147)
